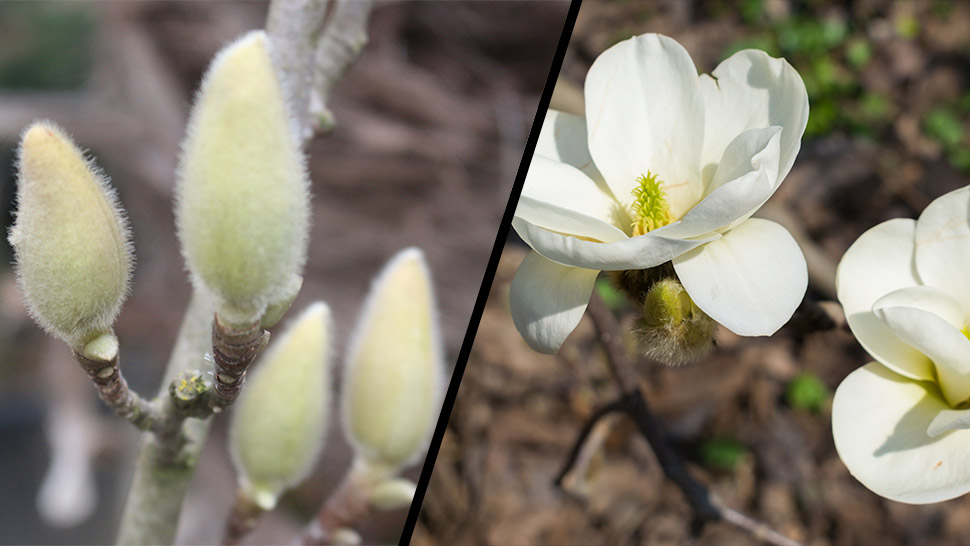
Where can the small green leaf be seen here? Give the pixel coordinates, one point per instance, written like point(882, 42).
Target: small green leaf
point(960, 158)
point(612, 298)
point(722, 453)
point(858, 52)
point(943, 124)
point(907, 27)
point(807, 392)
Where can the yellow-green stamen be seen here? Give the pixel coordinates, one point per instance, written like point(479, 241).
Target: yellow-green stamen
point(650, 207)
point(966, 331)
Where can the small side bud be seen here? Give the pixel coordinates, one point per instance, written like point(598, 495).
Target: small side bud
point(70, 239)
point(242, 206)
point(275, 311)
point(103, 348)
point(673, 330)
point(392, 494)
point(345, 536)
point(391, 393)
point(278, 424)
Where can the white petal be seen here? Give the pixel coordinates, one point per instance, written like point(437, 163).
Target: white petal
point(751, 280)
point(559, 197)
point(645, 112)
point(880, 421)
point(928, 299)
point(563, 138)
point(936, 338)
point(948, 420)
point(749, 90)
point(645, 251)
point(943, 244)
point(879, 262)
point(744, 180)
point(548, 300)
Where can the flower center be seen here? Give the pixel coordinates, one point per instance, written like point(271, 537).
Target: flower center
point(650, 208)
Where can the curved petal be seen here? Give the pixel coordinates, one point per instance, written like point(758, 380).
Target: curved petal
point(751, 280)
point(748, 90)
point(948, 420)
point(936, 338)
point(559, 197)
point(645, 113)
point(943, 244)
point(880, 421)
point(929, 299)
point(563, 138)
point(879, 262)
point(643, 252)
point(743, 182)
point(548, 300)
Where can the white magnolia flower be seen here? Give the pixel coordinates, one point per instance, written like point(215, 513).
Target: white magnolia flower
point(900, 424)
point(666, 166)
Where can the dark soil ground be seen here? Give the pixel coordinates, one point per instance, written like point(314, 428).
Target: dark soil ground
point(889, 131)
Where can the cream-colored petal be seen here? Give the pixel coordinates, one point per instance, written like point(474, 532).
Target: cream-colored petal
point(560, 198)
point(743, 182)
point(750, 90)
point(645, 251)
point(943, 244)
point(927, 298)
point(751, 280)
point(948, 420)
point(563, 138)
point(645, 112)
point(880, 421)
point(548, 301)
point(879, 262)
point(936, 338)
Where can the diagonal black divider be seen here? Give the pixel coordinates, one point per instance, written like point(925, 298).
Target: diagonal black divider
point(489, 277)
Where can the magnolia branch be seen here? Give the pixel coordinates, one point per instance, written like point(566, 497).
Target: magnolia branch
point(345, 506)
point(188, 395)
point(706, 505)
point(311, 54)
point(113, 390)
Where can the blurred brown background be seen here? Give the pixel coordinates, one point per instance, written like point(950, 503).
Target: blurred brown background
point(432, 120)
point(889, 131)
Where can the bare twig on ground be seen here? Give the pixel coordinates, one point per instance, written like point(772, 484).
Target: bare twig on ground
point(707, 507)
point(574, 461)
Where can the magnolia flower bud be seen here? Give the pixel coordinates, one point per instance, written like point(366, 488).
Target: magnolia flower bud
point(673, 329)
point(278, 424)
point(70, 240)
point(242, 206)
point(393, 378)
point(392, 494)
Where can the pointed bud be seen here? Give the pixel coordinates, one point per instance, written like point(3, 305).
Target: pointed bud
point(278, 423)
point(392, 494)
point(391, 394)
point(70, 240)
point(673, 330)
point(242, 206)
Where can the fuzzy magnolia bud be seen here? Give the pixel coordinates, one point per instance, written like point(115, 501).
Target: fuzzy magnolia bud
point(243, 193)
point(392, 494)
point(393, 378)
point(70, 240)
point(673, 329)
point(278, 423)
